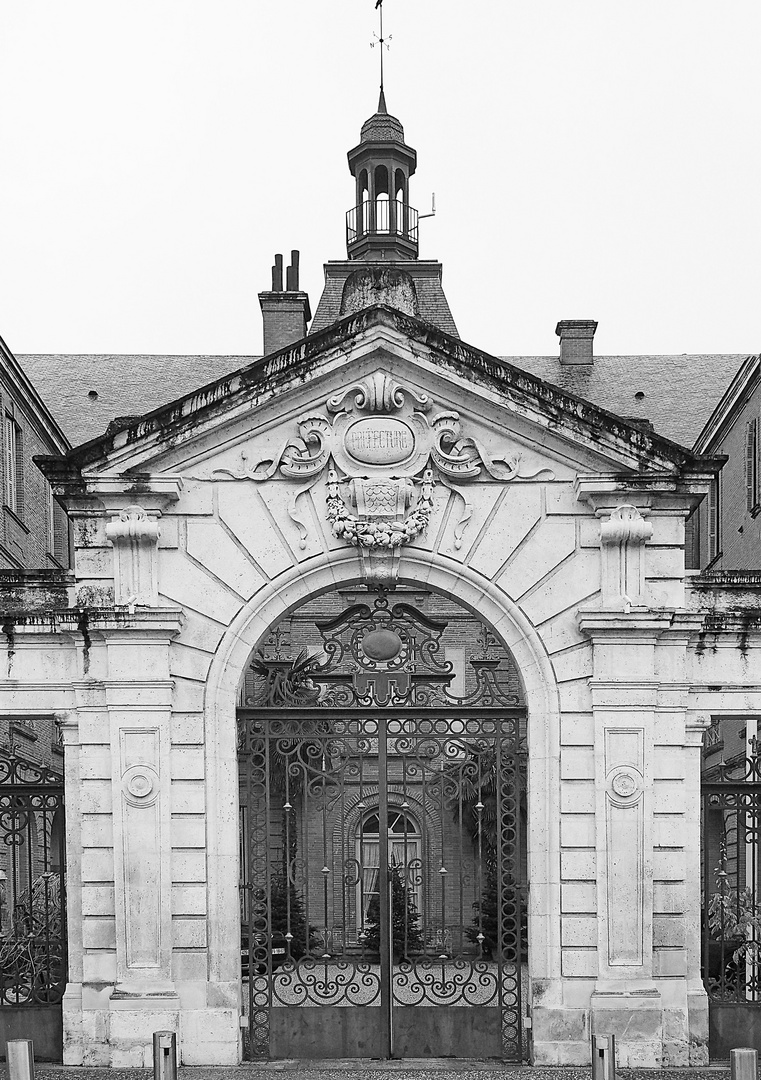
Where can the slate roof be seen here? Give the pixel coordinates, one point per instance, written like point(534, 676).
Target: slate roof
point(679, 392)
point(125, 385)
point(382, 127)
point(433, 306)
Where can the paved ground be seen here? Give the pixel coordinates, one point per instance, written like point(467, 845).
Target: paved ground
point(420, 1069)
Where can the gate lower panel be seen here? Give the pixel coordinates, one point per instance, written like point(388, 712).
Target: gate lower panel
point(324, 1032)
point(43, 1025)
point(446, 1031)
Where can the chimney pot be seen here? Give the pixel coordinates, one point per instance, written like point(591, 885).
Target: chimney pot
point(292, 273)
point(576, 336)
point(285, 313)
point(277, 274)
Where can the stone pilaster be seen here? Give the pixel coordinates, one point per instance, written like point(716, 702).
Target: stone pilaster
point(697, 999)
point(73, 1038)
point(626, 1001)
point(139, 698)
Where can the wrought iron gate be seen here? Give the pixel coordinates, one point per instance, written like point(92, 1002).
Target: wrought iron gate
point(732, 904)
point(32, 908)
point(382, 846)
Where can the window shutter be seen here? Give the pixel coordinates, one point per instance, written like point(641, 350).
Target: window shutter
point(713, 519)
point(10, 462)
point(60, 535)
point(751, 463)
point(19, 452)
point(692, 542)
point(757, 464)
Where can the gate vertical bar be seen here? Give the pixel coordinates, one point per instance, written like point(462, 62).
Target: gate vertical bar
point(518, 781)
point(500, 857)
point(385, 907)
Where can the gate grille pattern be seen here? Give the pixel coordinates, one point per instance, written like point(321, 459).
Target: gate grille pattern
point(381, 840)
point(731, 909)
point(32, 920)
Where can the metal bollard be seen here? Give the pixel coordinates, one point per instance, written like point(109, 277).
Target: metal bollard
point(603, 1057)
point(19, 1053)
point(743, 1063)
point(164, 1055)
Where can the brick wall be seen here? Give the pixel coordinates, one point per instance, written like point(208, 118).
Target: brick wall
point(34, 533)
point(739, 539)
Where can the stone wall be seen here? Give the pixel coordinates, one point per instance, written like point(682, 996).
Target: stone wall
point(187, 555)
point(613, 775)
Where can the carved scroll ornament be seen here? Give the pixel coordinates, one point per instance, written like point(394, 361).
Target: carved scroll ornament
point(134, 535)
point(384, 450)
point(622, 538)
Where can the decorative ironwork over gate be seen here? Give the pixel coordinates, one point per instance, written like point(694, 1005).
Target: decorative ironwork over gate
point(382, 841)
point(32, 908)
point(732, 903)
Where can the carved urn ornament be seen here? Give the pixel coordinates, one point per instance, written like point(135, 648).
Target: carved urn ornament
point(384, 449)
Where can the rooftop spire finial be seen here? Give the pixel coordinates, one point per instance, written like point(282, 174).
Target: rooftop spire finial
point(380, 40)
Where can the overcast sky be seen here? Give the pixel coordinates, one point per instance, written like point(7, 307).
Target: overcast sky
point(591, 159)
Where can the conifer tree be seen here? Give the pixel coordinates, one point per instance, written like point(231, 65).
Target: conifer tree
point(288, 915)
point(405, 920)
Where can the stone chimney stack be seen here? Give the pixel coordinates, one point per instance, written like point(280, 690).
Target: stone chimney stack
point(285, 312)
point(576, 340)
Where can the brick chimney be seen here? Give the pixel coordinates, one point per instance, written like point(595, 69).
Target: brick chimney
point(576, 340)
point(285, 312)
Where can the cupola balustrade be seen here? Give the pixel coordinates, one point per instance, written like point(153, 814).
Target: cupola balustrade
point(382, 218)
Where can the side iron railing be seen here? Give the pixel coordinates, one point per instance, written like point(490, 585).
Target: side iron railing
point(32, 908)
point(731, 887)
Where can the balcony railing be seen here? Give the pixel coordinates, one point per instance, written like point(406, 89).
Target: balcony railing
point(385, 217)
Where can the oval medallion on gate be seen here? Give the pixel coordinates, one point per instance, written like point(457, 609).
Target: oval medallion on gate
point(379, 440)
point(381, 645)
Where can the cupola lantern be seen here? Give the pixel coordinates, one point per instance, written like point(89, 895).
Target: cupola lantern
point(382, 224)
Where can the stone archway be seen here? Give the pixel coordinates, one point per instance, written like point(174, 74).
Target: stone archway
point(541, 695)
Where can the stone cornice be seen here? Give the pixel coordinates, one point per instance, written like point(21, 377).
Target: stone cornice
point(649, 492)
point(102, 621)
point(641, 625)
point(88, 493)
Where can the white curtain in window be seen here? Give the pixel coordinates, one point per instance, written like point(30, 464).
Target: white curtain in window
point(370, 865)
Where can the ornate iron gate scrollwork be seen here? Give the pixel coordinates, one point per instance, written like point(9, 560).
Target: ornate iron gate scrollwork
point(32, 905)
point(382, 843)
point(731, 864)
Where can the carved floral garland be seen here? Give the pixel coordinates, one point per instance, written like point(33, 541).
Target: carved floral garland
point(377, 533)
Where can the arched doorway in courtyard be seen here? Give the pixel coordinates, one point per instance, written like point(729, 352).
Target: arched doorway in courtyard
point(382, 762)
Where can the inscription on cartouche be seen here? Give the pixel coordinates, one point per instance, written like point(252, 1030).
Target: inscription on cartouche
point(379, 441)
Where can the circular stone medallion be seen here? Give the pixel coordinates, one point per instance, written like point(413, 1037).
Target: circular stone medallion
point(381, 645)
point(379, 440)
point(139, 785)
point(624, 784)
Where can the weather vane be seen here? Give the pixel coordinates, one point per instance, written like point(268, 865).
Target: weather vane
point(380, 40)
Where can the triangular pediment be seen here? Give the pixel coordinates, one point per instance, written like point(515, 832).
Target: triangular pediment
point(502, 413)
point(379, 435)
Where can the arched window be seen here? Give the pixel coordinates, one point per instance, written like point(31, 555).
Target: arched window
point(363, 205)
point(382, 196)
point(404, 852)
